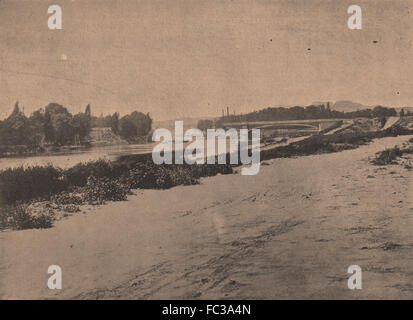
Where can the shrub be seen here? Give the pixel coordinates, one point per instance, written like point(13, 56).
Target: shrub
point(67, 198)
point(387, 156)
point(182, 175)
point(22, 184)
point(78, 175)
point(71, 208)
point(146, 175)
point(101, 190)
point(21, 217)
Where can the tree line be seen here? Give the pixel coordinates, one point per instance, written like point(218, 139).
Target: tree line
point(309, 112)
point(135, 124)
point(55, 125)
point(301, 113)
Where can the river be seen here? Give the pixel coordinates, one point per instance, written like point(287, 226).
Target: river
point(67, 159)
point(70, 158)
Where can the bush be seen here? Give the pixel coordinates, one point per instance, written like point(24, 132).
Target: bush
point(21, 217)
point(318, 144)
point(78, 175)
point(160, 176)
point(67, 198)
point(146, 175)
point(101, 190)
point(387, 156)
point(22, 184)
point(183, 175)
point(71, 208)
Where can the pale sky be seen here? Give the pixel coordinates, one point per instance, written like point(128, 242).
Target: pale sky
point(192, 58)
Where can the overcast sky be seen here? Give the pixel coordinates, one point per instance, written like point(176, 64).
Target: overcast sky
point(192, 58)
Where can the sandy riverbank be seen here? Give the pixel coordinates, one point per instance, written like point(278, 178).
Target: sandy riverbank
point(289, 232)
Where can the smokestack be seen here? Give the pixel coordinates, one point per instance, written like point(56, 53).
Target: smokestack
point(228, 111)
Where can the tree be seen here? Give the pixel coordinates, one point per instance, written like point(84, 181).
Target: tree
point(142, 122)
point(114, 123)
point(380, 111)
point(127, 128)
point(16, 110)
point(82, 123)
point(88, 112)
point(205, 124)
point(16, 127)
point(36, 123)
point(64, 132)
point(58, 128)
point(135, 124)
point(81, 126)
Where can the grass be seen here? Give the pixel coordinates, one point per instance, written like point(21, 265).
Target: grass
point(389, 156)
point(318, 144)
point(21, 216)
point(90, 183)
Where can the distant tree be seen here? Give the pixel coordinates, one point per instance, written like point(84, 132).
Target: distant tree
point(142, 122)
point(402, 113)
point(3, 136)
point(88, 118)
point(309, 112)
point(328, 108)
point(323, 109)
point(36, 123)
point(110, 121)
point(88, 112)
point(48, 127)
point(135, 124)
point(16, 109)
point(16, 127)
point(56, 125)
point(81, 125)
point(64, 132)
point(114, 123)
point(380, 111)
point(205, 124)
point(127, 128)
point(58, 129)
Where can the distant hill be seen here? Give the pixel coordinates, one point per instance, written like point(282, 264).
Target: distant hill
point(343, 105)
point(347, 105)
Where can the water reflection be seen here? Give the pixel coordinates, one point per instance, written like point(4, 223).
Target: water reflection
point(69, 158)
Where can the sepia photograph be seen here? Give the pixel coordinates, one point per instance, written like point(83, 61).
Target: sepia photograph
point(206, 150)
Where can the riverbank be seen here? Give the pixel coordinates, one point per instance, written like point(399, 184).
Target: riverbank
point(289, 232)
point(97, 182)
point(7, 152)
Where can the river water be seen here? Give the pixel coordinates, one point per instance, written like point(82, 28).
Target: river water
point(68, 159)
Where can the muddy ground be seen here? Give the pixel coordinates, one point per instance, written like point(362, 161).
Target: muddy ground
point(289, 232)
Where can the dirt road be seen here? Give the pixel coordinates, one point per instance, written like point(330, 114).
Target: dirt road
point(289, 232)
